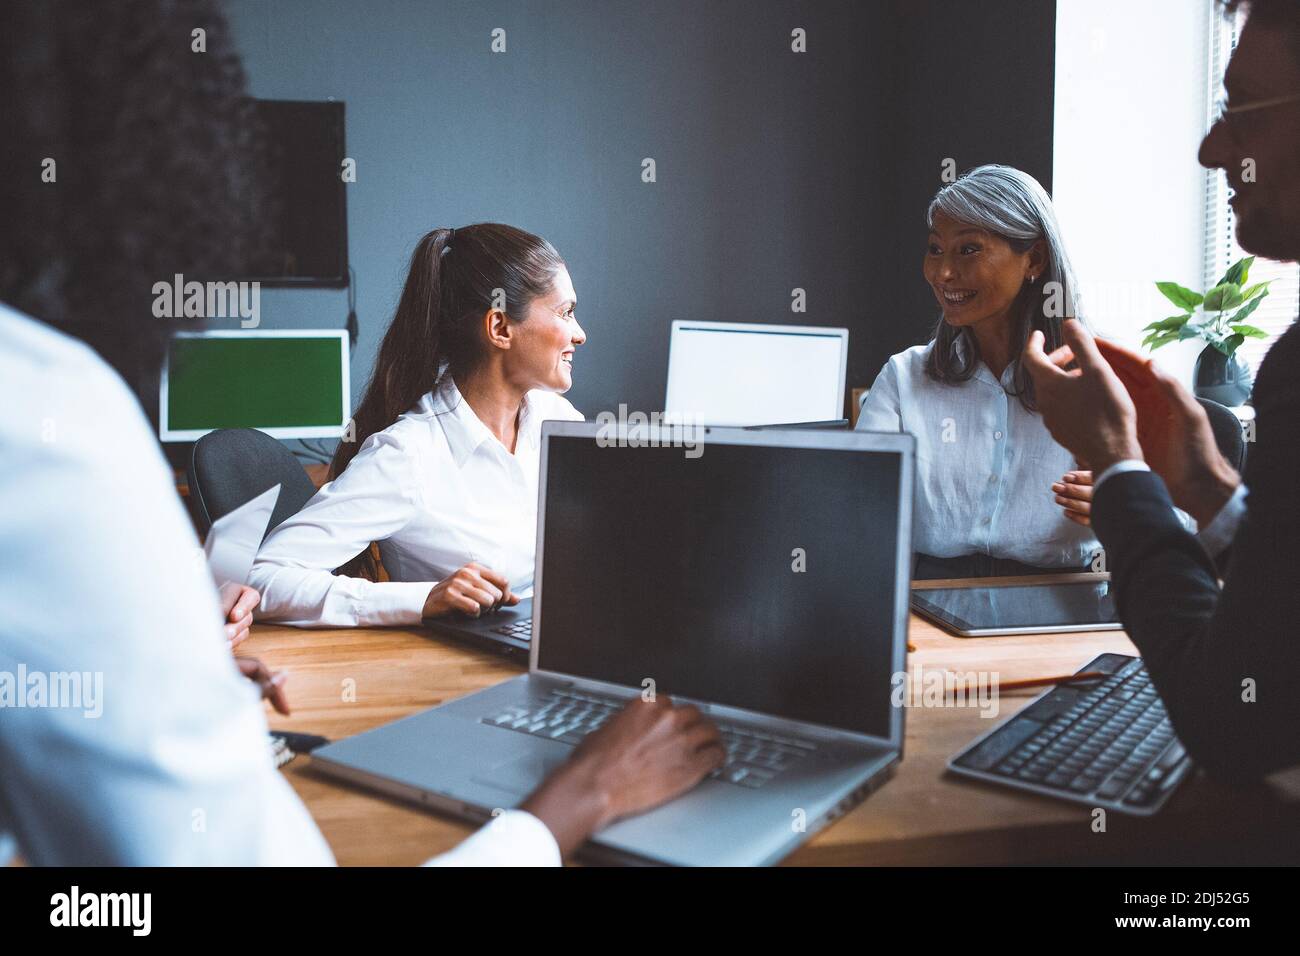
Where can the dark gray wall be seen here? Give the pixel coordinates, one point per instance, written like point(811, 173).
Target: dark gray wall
point(975, 82)
point(775, 169)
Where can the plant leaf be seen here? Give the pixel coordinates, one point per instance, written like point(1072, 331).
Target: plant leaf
point(1157, 339)
point(1229, 345)
point(1179, 295)
point(1237, 272)
point(1164, 325)
point(1222, 297)
point(1249, 307)
point(1259, 288)
point(1250, 331)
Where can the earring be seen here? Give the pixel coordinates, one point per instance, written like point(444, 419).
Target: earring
point(1033, 279)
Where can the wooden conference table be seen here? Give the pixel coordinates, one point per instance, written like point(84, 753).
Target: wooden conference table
point(344, 681)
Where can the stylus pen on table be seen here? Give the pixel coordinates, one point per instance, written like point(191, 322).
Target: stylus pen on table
point(1045, 681)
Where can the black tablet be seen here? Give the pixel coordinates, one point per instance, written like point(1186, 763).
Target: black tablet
point(1020, 609)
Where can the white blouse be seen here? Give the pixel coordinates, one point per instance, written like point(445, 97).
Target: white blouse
point(984, 466)
point(437, 490)
point(154, 749)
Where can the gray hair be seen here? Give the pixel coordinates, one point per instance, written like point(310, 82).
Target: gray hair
point(1011, 204)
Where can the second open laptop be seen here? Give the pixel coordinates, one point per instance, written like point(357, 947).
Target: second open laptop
point(774, 374)
point(507, 629)
point(764, 579)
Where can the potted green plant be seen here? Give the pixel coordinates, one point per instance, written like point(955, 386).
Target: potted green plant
point(1220, 374)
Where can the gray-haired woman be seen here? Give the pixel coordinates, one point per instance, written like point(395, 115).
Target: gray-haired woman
point(995, 493)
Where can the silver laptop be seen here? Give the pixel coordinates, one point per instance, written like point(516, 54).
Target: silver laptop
point(764, 580)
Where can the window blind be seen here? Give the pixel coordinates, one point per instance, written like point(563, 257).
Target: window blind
point(1279, 309)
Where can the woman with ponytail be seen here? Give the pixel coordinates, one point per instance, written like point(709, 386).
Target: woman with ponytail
point(443, 466)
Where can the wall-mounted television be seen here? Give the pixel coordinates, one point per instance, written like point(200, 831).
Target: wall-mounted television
point(305, 242)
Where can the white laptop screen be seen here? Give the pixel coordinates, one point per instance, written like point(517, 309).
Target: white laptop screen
point(729, 374)
point(754, 576)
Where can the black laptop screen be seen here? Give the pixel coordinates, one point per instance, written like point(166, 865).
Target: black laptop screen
point(759, 577)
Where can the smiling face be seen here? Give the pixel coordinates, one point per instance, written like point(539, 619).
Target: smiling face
point(541, 350)
point(976, 275)
point(1259, 149)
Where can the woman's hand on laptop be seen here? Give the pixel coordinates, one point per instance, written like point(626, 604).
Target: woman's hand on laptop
point(472, 590)
point(647, 754)
point(1074, 495)
point(240, 618)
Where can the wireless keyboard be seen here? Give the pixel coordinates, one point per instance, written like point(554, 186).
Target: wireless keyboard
point(1105, 743)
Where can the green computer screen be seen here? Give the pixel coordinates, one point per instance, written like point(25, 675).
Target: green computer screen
point(291, 383)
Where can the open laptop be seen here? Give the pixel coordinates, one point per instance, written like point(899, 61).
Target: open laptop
point(232, 543)
point(507, 629)
point(766, 581)
point(743, 373)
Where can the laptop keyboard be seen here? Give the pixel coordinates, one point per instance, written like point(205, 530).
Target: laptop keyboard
point(1112, 746)
point(520, 629)
point(753, 757)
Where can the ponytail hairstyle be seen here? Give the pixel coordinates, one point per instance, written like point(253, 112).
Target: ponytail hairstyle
point(1009, 203)
point(455, 277)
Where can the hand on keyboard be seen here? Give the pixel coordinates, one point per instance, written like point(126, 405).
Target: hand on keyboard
point(645, 755)
point(473, 590)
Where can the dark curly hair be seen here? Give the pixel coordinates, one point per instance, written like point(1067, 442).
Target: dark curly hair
point(150, 141)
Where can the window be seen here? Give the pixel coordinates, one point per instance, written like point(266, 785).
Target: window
point(1279, 308)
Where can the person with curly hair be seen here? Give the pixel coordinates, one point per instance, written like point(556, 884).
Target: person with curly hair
point(125, 152)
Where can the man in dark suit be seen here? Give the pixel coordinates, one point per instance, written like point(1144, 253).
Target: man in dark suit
point(1226, 660)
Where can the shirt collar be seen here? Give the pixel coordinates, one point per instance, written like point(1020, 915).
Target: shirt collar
point(466, 432)
point(530, 427)
point(462, 427)
point(983, 373)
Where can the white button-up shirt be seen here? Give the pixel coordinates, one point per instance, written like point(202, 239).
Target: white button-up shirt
point(984, 466)
point(437, 490)
point(157, 753)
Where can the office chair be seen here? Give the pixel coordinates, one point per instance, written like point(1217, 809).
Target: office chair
point(233, 465)
point(1227, 433)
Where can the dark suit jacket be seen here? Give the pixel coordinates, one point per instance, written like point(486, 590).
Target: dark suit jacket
point(1206, 647)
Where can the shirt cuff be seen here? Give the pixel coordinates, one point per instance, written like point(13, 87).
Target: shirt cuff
point(513, 838)
point(385, 603)
point(1128, 464)
point(1218, 534)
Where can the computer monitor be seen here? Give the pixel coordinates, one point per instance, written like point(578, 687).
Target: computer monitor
point(289, 384)
point(735, 373)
